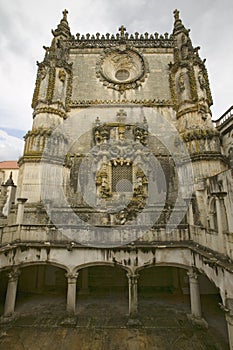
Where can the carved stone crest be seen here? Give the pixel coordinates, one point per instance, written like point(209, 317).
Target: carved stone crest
point(122, 69)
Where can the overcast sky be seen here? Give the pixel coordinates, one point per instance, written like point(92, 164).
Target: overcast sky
point(25, 26)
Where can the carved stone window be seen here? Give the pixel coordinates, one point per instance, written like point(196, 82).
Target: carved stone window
point(212, 220)
point(122, 178)
point(122, 69)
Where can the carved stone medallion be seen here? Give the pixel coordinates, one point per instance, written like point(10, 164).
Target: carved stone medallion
point(122, 69)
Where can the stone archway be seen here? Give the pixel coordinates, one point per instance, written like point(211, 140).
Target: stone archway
point(162, 289)
point(102, 279)
point(211, 310)
point(34, 288)
point(42, 278)
point(102, 293)
point(165, 299)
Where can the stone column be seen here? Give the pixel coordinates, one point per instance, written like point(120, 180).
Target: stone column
point(194, 295)
point(229, 318)
point(133, 294)
point(71, 292)
point(21, 202)
point(10, 300)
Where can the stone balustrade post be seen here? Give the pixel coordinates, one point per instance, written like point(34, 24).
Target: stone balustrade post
point(20, 212)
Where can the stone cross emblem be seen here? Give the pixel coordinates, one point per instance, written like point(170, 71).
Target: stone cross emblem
point(65, 12)
point(122, 30)
point(176, 14)
point(121, 116)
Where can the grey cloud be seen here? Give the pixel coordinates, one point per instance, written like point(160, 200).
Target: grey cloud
point(10, 147)
point(25, 26)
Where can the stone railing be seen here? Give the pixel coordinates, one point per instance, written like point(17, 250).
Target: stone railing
point(226, 116)
point(116, 235)
point(211, 239)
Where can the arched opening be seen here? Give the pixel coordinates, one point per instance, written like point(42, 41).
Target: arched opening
point(162, 287)
point(164, 299)
point(102, 293)
point(212, 313)
point(41, 288)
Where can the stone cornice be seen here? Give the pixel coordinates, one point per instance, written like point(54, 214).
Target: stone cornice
point(209, 257)
point(51, 110)
point(39, 131)
point(207, 156)
point(37, 157)
point(198, 134)
point(30, 158)
point(145, 102)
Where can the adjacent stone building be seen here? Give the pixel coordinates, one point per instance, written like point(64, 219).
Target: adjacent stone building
point(125, 181)
point(6, 168)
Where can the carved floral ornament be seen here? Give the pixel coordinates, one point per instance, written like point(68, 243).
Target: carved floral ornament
point(122, 69)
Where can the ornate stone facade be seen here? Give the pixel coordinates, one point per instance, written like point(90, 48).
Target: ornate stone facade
point(123, 166)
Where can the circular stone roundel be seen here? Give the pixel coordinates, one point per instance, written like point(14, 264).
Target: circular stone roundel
point(121, 70)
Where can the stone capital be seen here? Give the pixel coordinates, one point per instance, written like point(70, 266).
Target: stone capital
point(228, 309)
point(228, 314)
point(132, 278)
point(72, 276)
point(193, 276)
point(22, 200)
point(220, 195)
point(13, 275)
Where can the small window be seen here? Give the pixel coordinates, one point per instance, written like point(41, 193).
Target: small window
point(122, 74)
point(122, 178)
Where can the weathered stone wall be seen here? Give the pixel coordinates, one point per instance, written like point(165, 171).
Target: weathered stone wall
point(155, 86)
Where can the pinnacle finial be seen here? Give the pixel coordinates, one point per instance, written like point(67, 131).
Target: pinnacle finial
point(176, 14)
point(178, 25)
point(10, 181)
point(63, 27)
point(65, 12)
point(122, 30)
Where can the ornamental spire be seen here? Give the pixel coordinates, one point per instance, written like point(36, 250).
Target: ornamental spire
point(63, 28)
point(178, 25)
point(9, 181)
